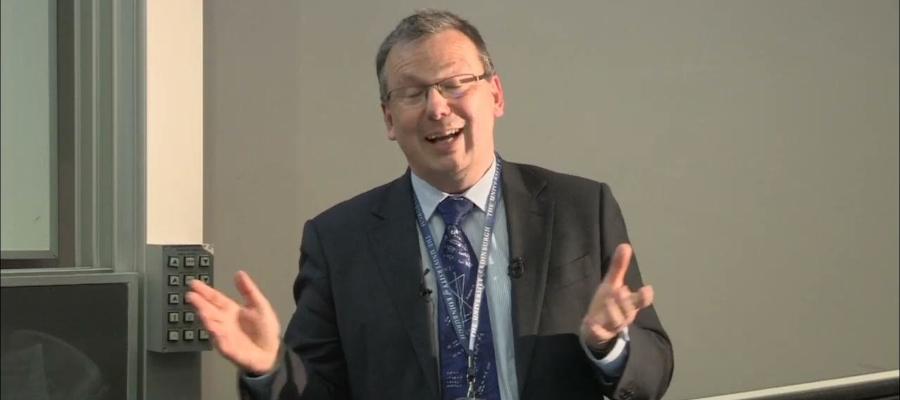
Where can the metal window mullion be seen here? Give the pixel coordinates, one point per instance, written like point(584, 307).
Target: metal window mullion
point(125, 160)
point(106, 133)
point(86, 135)
point(54, 134)
point(125, 136)
point(66, 127)
point(95, 134)
point(76, 131)
point(118, 231)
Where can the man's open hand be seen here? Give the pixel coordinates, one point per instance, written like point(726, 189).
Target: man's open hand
point(248, 335)
point(614, 305)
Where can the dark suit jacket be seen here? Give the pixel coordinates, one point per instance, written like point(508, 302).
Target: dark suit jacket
point(362, 329)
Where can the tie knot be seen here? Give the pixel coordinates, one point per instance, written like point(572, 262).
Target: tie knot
point(453, 209)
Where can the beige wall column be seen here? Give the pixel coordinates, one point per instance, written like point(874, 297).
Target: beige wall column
point(174, 121)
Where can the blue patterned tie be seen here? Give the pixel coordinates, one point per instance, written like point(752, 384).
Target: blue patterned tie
point(461, 267)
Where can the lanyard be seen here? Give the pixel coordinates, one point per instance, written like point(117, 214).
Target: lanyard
point(449, 300)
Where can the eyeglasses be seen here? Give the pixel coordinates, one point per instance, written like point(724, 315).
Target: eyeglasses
point(453, 87)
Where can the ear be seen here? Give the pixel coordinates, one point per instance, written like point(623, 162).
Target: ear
point(388, 121)
point(497, 93)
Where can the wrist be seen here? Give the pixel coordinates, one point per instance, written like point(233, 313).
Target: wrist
point(601, 348)
point(265, 365)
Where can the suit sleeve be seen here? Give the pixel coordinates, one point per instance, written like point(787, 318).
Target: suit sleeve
point(288, 381)
point(312, 365)
point(648, 369)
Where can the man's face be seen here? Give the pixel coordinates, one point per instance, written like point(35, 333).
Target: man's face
point(447, 142)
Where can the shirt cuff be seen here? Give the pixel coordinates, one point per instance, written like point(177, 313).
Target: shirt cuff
point(613, 363)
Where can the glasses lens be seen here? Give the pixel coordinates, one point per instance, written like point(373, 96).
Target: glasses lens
point(456, 86)
point(407, 95)
point(453, 87)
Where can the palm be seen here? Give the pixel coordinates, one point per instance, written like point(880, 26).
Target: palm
point(252, 323)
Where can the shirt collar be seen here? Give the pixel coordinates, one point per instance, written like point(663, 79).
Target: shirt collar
point(429, 196)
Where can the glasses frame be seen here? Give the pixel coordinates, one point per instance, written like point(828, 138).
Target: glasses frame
point(473, 78)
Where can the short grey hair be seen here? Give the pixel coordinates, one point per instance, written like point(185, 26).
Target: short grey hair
point(422, 23)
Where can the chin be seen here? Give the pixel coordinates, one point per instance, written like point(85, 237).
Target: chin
point(447, 170)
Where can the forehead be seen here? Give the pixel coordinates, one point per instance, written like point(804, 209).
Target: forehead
point(433, 57)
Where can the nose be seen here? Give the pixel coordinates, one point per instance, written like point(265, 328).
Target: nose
point(436, 106)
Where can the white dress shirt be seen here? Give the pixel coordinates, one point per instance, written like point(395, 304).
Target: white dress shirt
point(498, 286)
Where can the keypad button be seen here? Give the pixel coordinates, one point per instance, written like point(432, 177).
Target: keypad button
point(174, 262)
point(189, 335)
point(204, 261)
point(174, 280)
point(174, 336)
point(203, 334)
point(204, 278)
point(188, 279)
point(174, 317)
point(188, 316)
point(190, 261)
point(174, 298)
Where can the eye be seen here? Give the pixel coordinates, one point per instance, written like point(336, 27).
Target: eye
point(453, 85)
point(410, 92)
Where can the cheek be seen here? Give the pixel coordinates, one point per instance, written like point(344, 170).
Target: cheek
point(406, 132)
point(478, 115)
point(405, 123)
point(483, 108)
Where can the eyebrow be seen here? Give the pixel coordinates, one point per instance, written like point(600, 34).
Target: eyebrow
point(407, 79)
point(410, 80)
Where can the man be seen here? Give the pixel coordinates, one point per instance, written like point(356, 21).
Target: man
point(468, 276)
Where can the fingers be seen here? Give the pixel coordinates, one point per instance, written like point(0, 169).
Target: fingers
point(618, 266)
point(643, 297)
point(615, 309)
point(253, 297)
point(619, 312)
point(626, 306)
point(614, 306)
point(213, 307)
point(216, 320)
point(629, 303)
point(209, 294)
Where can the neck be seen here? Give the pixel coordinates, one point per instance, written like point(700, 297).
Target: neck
point(455, 184)
point(452, 186)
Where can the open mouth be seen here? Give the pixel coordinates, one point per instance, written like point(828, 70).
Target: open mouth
point(444, 137)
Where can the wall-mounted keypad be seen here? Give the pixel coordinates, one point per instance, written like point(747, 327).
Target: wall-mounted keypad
point(173, 323)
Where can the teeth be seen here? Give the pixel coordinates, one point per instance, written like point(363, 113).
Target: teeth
point(442, 136)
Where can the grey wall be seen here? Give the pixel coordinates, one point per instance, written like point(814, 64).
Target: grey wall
point(752, 145)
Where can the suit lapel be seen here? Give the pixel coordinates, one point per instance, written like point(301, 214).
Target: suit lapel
point(529, 216)
point(394, 238)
